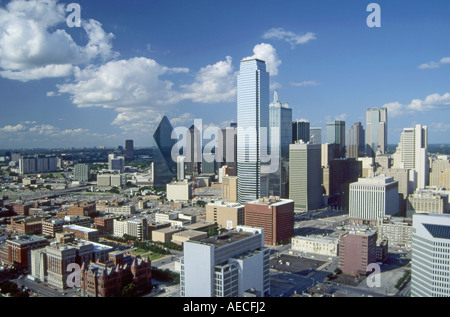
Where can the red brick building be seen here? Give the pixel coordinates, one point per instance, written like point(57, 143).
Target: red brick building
point(21, 209)
point(273, 214)
point(105, 225)
point(109, 279)
point(356, 251)
point(83, 209)
point(25, 226)
point(17, 252)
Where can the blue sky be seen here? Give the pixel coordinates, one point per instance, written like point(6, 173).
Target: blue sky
point(131, 62)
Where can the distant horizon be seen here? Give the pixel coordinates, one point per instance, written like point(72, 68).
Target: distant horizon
point(127, 64)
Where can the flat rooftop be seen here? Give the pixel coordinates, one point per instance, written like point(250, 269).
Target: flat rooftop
point(228, 238)
point(80, 228)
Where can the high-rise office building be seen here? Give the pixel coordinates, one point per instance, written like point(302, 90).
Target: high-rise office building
point(280, 116)
point(116, 163)
point(376, 131)
point(37, 164)
point(164, 167)
point(315, 135)
point(336, 137)
point(231, 265)
point(81, 173)
point(412, 153)
point(301, 131)
point(252, 133)
point(357, 250)
point(356, 141)
point(305, 176)
point(274, 215)
point(430, 264)
point(373, 198)
point(438, 166)
point(181, 166)
point(129, 149)
point(226, 150)
point(194, 150)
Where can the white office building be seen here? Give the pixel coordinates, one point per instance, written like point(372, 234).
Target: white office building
point(412, 153)
point(231, 265)
point(373, 198)
point(430, 273)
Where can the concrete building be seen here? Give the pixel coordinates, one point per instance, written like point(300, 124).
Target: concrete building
point(356, 251)
point(164, 235)
point(305, 176)
point(426, 201)
point(179, 191)
point(226, 215)
point(439, 165)
point(83, 233)
point(229, 188)
point(373, 198)
point(188, 235)
point(430, 256)
point(405, 179)
point(412, 153)
point(396, 230)
point(82, 173)
point(274, 215)
point(226, 266)
point(136, 227)
point(116, 163)
point(326, 246)
point(124, 210)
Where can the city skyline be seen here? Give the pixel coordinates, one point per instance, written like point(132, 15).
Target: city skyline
point(129, 64)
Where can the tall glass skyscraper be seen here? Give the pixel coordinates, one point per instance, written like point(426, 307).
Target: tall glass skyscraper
point(301, 131)
point(376, 131)
point(280, 118)
point(253, 122)
point(165, 168)
point(336, 137)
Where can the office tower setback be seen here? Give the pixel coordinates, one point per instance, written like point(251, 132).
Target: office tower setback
point(356, 141)
point(280, 116)
point(301, 131)
point(273, 214)
point(129, 149)
point(439, 166)
point(315, 135)
point(164, 166)
point(336, 137)
point(305, 176)
point(412, 153)
point(253, 123)
point(430, 266)
point(373, 198)
point(231, 265)
point(376, 131)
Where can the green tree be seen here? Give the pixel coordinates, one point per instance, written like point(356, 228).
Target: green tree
point(130, 290)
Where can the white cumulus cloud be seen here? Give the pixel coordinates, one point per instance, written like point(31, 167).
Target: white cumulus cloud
point(289, 36)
